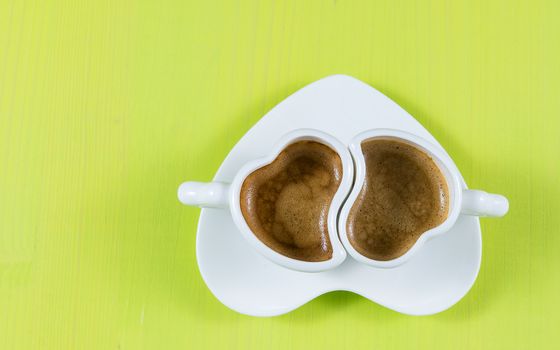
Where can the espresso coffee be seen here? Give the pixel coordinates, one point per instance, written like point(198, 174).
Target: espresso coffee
point(404, 194)
point(286, 202)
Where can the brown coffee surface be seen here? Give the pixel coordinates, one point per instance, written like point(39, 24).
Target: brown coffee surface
point(286, 202)
point(404, 195)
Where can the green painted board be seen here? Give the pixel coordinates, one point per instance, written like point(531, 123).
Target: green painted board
point(106, 106)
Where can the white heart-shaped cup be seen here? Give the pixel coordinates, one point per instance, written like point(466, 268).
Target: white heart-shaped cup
point(228, 197)
point(460, 201)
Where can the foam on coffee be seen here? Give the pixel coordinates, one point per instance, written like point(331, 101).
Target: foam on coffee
point(404, 194)
point(286, 202)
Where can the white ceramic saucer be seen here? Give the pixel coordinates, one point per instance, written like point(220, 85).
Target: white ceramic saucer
point(433, 280)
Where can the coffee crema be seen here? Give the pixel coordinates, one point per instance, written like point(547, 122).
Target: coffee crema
point(286, 202)
point(404, 195)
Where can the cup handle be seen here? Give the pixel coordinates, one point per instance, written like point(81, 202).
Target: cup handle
point(204, 194)
point(480, 203)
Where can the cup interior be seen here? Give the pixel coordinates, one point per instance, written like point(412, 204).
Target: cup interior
point(441, 164)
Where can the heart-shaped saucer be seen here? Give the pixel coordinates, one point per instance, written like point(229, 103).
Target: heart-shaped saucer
point(433, 280)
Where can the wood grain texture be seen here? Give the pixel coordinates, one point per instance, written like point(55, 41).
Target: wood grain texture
point(106, 106)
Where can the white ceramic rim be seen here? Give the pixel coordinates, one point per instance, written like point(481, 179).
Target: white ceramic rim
point(444, 162)
point(339, 253)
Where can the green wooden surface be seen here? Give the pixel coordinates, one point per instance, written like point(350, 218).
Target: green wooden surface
point(106, 106)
